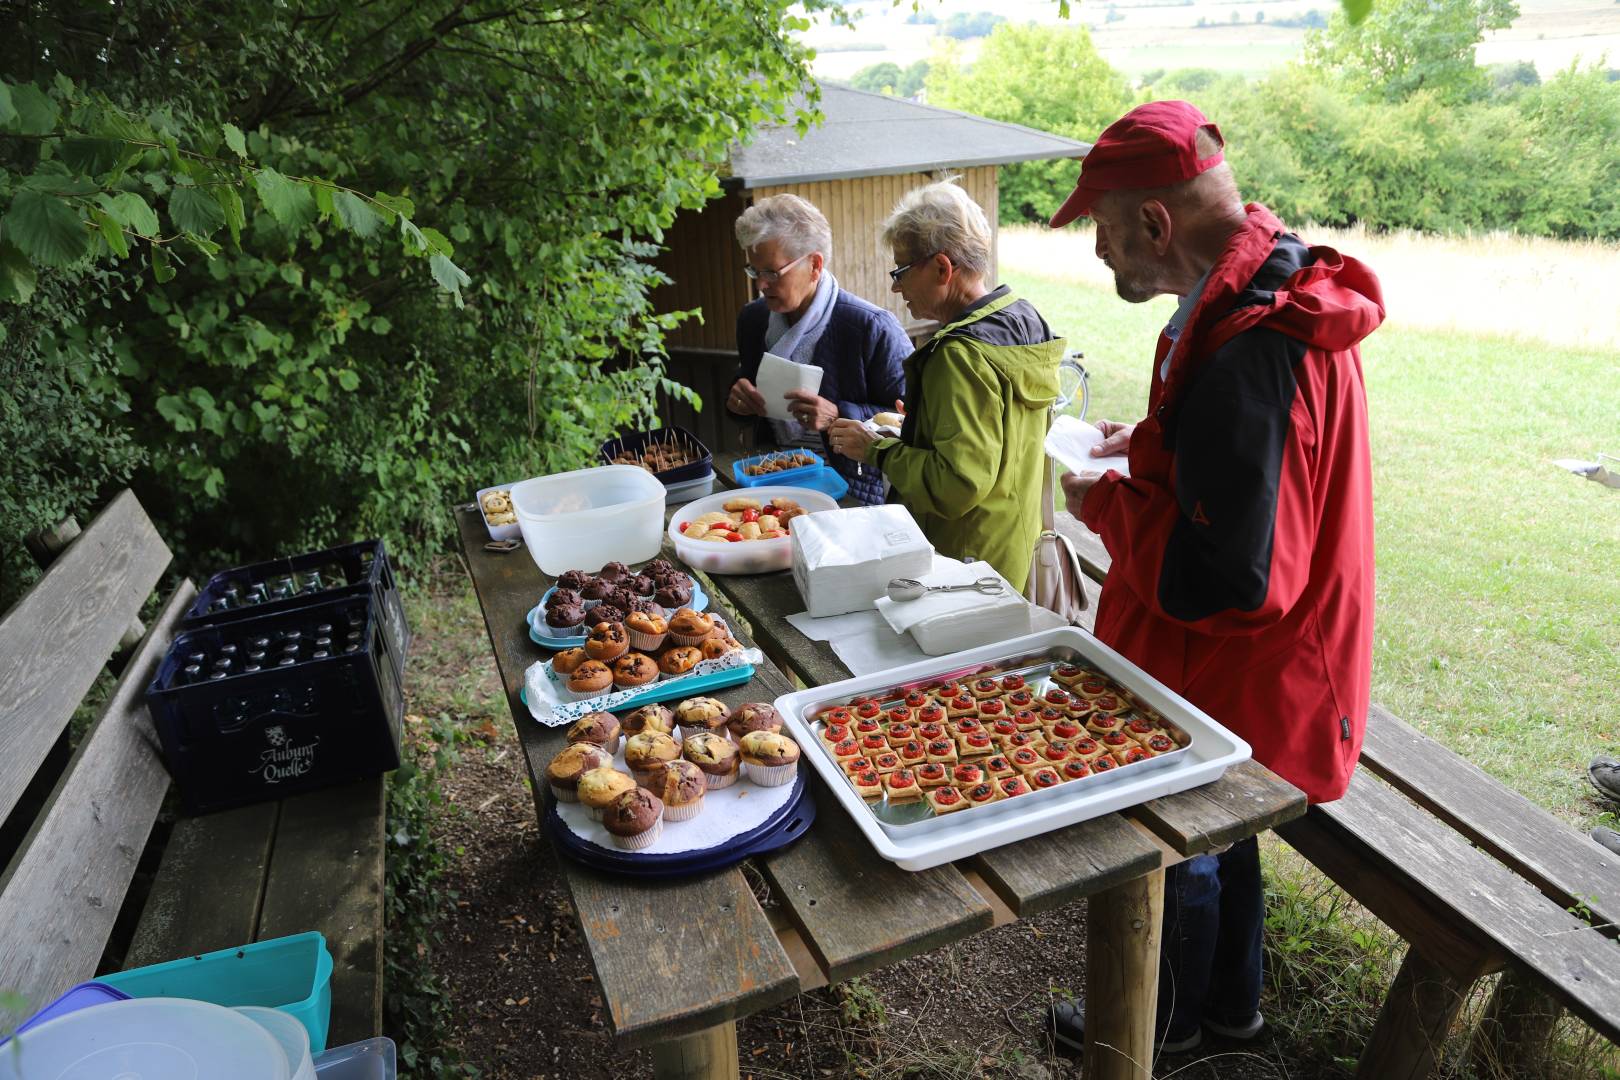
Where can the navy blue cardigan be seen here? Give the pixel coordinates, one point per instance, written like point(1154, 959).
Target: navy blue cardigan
point(860, 352)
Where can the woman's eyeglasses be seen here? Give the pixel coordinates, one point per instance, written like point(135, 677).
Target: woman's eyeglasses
point(898, 272)
point(771, 277)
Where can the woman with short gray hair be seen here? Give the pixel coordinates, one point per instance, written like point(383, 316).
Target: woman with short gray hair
point(968, 459)
point(803, 316)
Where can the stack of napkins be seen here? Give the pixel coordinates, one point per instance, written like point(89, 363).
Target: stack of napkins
point(943, 623)
point(843, 559)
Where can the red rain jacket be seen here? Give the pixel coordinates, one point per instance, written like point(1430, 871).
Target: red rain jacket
point(1242, 541)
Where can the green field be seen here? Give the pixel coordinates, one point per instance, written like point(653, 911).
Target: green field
point(1498, 628)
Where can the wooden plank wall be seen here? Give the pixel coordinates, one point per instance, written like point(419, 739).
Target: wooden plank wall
point(856, 208)
point(706, 264)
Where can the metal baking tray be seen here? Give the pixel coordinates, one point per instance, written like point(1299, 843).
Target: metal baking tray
point(914, 839)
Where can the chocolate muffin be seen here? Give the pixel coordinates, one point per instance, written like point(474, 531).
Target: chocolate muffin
point(614, 571)
point(606, 612)
point(566, 617)
point(659, 564)
point(596, 589)
point(559, 597)
point(640, 585)
point(597, 728)
point(622, 598)
point(673, 595)
point(647, 607)
point(635, 819)
point(753, 716)
point(573, 580)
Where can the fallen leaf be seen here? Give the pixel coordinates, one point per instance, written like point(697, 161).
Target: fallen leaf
point(524, 1000)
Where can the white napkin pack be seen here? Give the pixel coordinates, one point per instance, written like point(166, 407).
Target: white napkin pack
point(843, 559)
point(777, 375)
point(942, 623)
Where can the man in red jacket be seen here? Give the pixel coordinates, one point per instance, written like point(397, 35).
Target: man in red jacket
point(1242, 540)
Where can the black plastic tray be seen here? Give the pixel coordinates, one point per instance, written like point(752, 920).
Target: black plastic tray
point(636, 441)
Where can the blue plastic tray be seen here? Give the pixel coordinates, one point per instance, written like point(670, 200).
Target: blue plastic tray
point(79, 997)
point(692, 686)
point(789, 477)
point(827, 480)
point(700, 602)
point(789, 823)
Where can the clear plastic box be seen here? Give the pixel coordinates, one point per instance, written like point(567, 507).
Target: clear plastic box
point(590, 517)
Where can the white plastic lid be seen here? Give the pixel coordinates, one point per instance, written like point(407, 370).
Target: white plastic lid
point(289, 1033)
point(146, 1039)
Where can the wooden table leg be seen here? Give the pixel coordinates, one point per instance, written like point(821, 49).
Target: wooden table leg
point(709, 1055)
point(1123, 926)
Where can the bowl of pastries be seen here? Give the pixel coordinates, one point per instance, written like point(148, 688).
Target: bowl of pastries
point(495, 503)
point(746, 531)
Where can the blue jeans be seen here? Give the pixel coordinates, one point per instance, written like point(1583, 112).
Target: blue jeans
point(1214, 911)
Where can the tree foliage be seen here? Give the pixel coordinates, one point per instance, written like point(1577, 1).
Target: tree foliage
point(308, 190)
point(1044, 77)
point(890, 78)
point(1407, 46)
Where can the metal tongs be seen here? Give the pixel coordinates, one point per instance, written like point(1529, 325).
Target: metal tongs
point(904, 588)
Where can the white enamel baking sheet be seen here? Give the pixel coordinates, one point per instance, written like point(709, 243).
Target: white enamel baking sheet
point(956, 836)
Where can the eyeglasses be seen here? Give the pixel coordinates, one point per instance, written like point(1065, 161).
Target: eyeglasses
point(898, 272)
point(771, 277)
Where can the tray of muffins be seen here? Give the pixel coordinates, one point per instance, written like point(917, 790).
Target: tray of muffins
point(958, 754)
point(646, 658)
point(581, 599)
point(660, 791)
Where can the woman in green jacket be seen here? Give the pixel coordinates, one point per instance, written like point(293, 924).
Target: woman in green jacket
point(967, 462)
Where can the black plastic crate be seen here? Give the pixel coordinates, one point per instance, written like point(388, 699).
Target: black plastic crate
point(316, 577)
point(266, 729)
point(637, 441)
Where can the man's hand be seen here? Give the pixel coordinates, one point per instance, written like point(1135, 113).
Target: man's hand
point(850, 438)
point(1116, 438)
point(745, 400)
point(1075, 486)
point(811, 410)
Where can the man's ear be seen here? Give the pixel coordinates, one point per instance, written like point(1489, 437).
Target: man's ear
point(1156, 224)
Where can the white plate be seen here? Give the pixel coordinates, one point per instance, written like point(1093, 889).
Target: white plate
point(747, 556)
point(928, 844)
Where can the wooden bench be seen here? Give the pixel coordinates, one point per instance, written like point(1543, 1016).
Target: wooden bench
point(1477, 879)
point(80, 829)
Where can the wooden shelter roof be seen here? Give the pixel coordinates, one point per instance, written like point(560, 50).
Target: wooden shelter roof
point(877, 135)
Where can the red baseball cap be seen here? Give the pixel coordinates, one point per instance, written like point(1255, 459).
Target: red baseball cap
point(1153, 145)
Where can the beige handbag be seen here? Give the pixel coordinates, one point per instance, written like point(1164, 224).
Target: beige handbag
point(1055, 579)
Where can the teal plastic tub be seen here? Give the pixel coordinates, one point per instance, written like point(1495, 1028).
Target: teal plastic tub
point(292, 974)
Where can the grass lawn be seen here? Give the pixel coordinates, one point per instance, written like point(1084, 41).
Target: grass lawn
point(1498, 628)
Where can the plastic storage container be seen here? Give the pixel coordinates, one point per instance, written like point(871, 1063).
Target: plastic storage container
point(251, 735)
point(590, 517)
point(372, 1059)
point(289, 974)
point(289, 1034)
point(151, 1039)
point(363, 568)
point(637, 442)
point(79, 997)
point(749, 556)
point(775, 479)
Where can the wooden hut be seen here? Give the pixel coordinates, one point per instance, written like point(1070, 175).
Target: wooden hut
point(871, 149)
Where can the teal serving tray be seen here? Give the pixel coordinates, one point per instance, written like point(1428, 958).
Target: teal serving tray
point(665, 690)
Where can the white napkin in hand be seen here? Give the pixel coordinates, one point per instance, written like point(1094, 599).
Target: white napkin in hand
point(777, 376)
point(1069, 442)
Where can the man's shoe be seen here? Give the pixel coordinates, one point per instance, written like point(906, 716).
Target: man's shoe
point(1066, 1024)
point(1250, 1031)
point(1604, 772)
point(1608, 838)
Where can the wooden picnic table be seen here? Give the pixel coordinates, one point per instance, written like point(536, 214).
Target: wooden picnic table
point(679, 961)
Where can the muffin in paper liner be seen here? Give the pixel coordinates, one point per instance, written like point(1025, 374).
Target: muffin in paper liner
point(641, 840)
point(644, 642)
point(564, 794)
point(683, 813)
point(772, 775)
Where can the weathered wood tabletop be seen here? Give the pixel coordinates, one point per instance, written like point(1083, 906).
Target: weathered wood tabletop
point(844, 911)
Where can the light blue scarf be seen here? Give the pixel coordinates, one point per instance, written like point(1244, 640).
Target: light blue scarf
point(798, 343)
